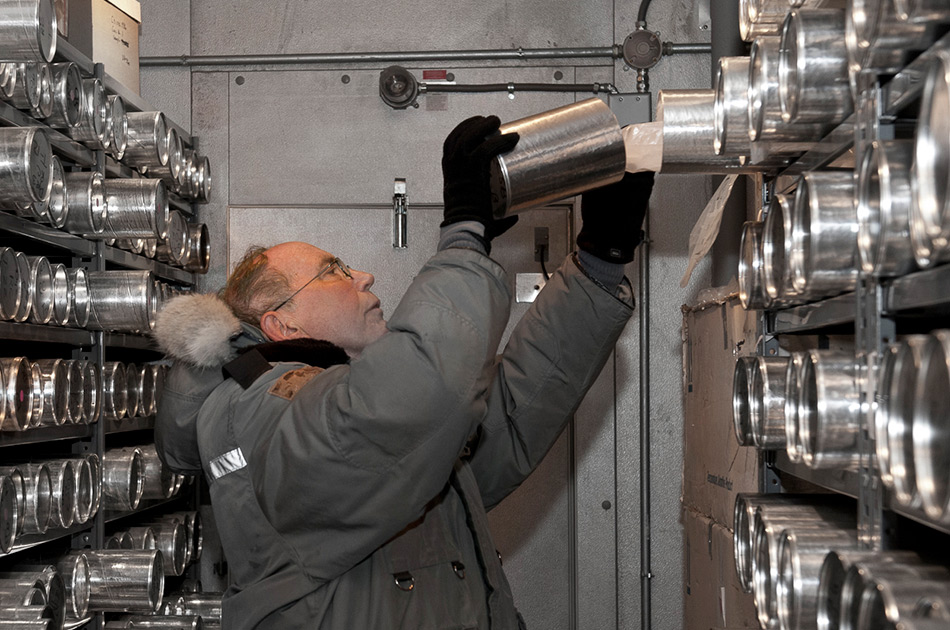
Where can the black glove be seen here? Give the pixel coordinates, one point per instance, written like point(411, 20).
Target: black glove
point(467, 155)
point(613, 217)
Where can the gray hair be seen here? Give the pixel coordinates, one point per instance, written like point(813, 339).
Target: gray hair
point(254, 288)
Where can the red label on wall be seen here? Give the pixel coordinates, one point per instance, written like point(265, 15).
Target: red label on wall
point(434, 75)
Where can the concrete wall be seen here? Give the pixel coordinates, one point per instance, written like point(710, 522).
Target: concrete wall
point(310, 152)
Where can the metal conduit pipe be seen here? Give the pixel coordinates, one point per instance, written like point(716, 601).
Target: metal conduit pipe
point(606, 88)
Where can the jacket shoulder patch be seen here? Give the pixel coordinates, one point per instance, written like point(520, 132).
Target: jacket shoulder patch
point(289, 384)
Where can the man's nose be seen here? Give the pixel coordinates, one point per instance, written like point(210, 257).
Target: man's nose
point(363, 279)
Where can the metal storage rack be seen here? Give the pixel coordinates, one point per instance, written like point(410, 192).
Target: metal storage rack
point(80, 343)
point(871, 311)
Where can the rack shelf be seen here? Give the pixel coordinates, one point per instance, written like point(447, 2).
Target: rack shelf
point(129, 424)
point(144, 506)
point(832, 311)
point(32, 540)
point(45, 434)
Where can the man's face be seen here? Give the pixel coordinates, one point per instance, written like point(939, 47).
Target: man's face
point(333, 307)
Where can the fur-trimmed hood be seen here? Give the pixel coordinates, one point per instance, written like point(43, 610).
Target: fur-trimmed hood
point(197, 329)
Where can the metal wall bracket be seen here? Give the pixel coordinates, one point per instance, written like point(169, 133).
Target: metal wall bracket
point(400, 214)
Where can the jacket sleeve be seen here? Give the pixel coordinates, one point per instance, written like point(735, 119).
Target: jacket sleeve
point(554, 355)
point(362, 449)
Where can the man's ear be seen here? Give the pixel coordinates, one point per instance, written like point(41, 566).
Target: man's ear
point(276, 329)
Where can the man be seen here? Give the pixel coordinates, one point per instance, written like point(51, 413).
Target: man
point(350, 460)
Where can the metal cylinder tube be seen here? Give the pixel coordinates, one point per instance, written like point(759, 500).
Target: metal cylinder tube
point(884, 203)
point(768, 395)
point(25, 165)
point(889, 600)
point(57, 207)
point(879, 41)
point(123, 479)
point(776, 250)
point(92, 385)
point(119, 131)
point(120, 540)
point(67, 96)
point(74, 569)
point(561, 153)
point(63, 499)
point(158, 623)
point(742, 399)
point(824, 234)
point(75, 391)
point(37, 400)
point(125, 581)
point(92, 127)
point(202, 186)
point(87, 209)
point(731, 109)
point(752, 293)
point(931, 427)
point(142, 537)
point(159, 481)
point(138, 208)
point(96, 471)
point(27, 30)
point(38, 492)
point(41, 286)
point(194, 536)
point(813, 67)
point(158, 382)
point(899, 407)
point(26, 92)
point(174, 247)
point(885, 380)
point(25, 306)
point(829, 409)
point(689, 134)
point(79, 312)
point(55, 388)
point(758, 18)
point(930, 213)
point(8, 76)
point(147, 140)
point(122, 301)
point(17, 384)
point(198, 259)
point(206, 605)
point(793, 383)
point(146, 378)
point(922, 10)
point(9, 512)
point(172, 169)
point(171, 538)
point(83, 486)
point(801, 555)
point(831, 578)
point(115, 391)
point(865, 575)
point(44, 79)
point(62, 299)
point(14, 519)
point(10, 284)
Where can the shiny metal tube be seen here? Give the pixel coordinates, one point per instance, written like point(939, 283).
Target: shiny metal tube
point(120, 540)
point(561, 153)
point(149, 247)
point(889, 600)
point(123, 479)
point(9, 513)
point(88, 212)
point(174, 247)
point(7, 80)
point(96, 471)
point(63, 499)
point(142, 537)
point(25, 165)
point(829, 409)
point(125, 581)
point(768, 396)
point(10, 284)
point(801, 555)
point(922, 10)
point(13, 519)
point(765, 107)
point(57, 206)
point(122, 301)
point(731, 108)
point(930, 213)
point(75, 391)
point(19, 587)
point(115, 391)
point(62, 299)
point(138, 208)
point(834, 569)
point(53, 381)
point(207, 605)
point(824, 234)
point(931, 427)
point(769, 528)
point(752, 293)
point(17, 374)
point(171, 538)
point(81, 308)
point(865, 575)
point(158, 384)
point(134, 381)
point(883, 209)
point(27, 30)
point(26, 93)
point(74, 567)
point(92, 385)
point(159, 481)
point(194, 536)
point(885, 380)
point(813, 67)
point(41, 286)
point(155, 622)
point(198, 259)
point(44, 79)
point(879, 41)
point(25, 306)
point(689, 134)
point(793, 382)
point(29, 617)
point(37, 399)
point(776, 250)
point(147, 140)
point(742, 399)
point(83, 486)
point(119, 131)
point(172, 169)
point(198, 185)
point(92, 128)
point(744, 511)
point(67, 96)
point(758, 18)
point(147, 390)
point(898, 407)
point(38, 496)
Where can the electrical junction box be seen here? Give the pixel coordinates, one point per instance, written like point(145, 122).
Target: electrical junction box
point(107, 31)
point(635, 107)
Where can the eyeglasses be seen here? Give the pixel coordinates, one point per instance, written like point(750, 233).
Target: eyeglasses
point(334, 265)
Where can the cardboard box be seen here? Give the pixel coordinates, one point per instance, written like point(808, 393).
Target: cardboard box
point(715, 467)
point(107, 31)
point(713, 599)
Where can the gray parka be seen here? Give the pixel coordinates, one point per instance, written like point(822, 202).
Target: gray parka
point(348, 498)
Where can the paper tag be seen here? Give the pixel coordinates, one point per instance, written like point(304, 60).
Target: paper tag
point(706, 230)
point(643, 143)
